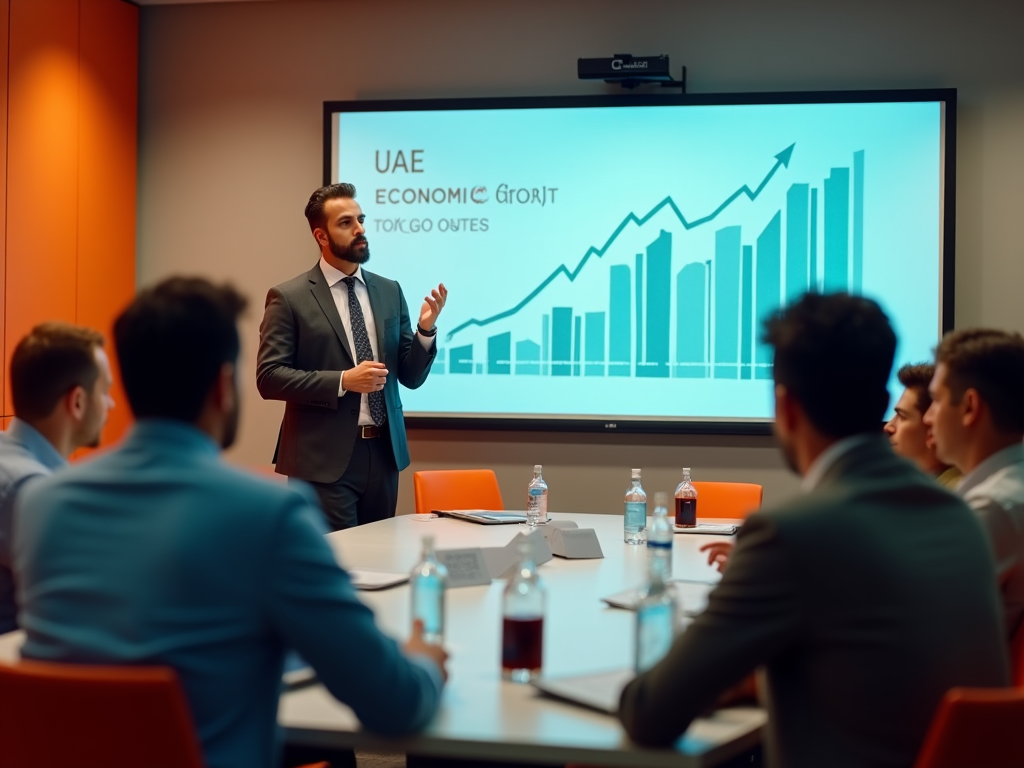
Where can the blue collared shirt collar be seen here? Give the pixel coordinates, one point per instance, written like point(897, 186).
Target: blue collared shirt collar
point(1013, 454)
point(171, 431)
point(33, 441)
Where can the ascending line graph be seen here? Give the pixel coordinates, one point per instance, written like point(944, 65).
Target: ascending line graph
point(711, 307)
point(781, 161)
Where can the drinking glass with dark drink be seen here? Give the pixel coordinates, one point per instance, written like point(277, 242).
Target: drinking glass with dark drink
point(686, 502)
point(522, 636)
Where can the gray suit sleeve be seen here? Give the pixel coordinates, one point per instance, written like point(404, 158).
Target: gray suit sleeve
point(414, 360)
point(753, 613)
point(277, 378)
point(314, 607)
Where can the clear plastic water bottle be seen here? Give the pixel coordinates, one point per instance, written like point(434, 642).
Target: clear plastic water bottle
point(655, 617)
point(537, 499)
point(428, 582)
point(634, 523)
point(660, 538)
point(522, 612)
point(686, 502)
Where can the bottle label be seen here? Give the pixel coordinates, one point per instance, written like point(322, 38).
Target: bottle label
point(428, 606)
point(655, 630)
point(636, 515)
point(686, 512)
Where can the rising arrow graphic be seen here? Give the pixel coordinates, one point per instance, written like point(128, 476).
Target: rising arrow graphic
point(781, 160)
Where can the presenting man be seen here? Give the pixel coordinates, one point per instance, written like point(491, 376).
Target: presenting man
point(60, 385)
point(865, 600)
point(910, 436)
point(335, 342)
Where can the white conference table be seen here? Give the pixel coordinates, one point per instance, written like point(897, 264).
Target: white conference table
point(486, 718)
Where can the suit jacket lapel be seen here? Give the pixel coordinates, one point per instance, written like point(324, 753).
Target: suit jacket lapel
point(379, 315)
point(322, 293)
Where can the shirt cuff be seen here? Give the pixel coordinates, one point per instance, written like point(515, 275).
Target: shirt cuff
point(426, 341)
point(341, 389)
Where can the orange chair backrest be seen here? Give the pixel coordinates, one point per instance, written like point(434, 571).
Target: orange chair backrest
point(456, 489)
point(735, 500)
point(976, 727)
point(1017, 656)
point(94, 717)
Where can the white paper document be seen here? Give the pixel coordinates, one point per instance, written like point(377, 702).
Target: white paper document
point(599, 690)
point(364, 579)
point(691, 596)
point(719, 529)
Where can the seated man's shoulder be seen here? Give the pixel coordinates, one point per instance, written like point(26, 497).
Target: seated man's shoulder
point(1004, 488)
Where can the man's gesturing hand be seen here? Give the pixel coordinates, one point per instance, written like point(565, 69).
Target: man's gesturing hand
point(368, 376)
point(432, 306)
point(718, 554)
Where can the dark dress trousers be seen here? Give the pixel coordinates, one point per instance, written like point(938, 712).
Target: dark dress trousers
point(864, 601)
point(303, 350)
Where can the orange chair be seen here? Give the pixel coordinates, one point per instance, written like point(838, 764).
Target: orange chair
point(1017, 656)
point(95, 717)
point(456, 489)
point(976, 727)
point(735, 500)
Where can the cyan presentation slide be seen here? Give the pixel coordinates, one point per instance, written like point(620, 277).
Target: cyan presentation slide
point(618, 262)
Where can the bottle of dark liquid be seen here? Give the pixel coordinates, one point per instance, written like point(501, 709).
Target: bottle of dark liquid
point(522, 636)
point(686, 502)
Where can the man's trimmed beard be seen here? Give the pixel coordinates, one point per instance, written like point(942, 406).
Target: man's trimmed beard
point(356, 252)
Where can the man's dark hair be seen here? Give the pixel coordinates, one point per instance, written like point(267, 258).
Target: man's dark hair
point(315, 206)
point(834, 354)
point(48, 363)
point(916, 378)
point(172, 341)
point(991, 362)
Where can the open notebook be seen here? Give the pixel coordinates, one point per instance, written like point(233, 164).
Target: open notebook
point(483, 516)
point(598, 690)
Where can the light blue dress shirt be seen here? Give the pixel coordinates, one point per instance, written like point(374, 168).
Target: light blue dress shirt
point(24, 454)
point(160, 553)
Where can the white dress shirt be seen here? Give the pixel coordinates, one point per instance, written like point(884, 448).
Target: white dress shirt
point(339, 291)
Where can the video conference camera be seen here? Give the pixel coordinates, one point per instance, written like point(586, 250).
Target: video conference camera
point(630, 71)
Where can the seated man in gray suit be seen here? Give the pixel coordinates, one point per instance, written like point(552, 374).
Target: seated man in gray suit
point(864, 600)
point(977, 417)
point(160, 553)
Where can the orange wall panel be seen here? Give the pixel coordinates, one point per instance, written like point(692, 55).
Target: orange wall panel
point(5, 8)
point(42, 166)
point(107, 119)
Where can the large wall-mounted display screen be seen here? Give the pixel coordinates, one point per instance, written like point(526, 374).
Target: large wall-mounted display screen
point(610, 260)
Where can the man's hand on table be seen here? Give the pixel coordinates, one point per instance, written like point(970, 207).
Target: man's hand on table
point(417, 645)
point(718, 554)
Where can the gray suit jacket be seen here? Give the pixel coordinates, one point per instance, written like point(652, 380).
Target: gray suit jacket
point(865, 600)
point(304, 349)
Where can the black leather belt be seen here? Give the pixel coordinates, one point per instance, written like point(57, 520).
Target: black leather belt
point(371, 430)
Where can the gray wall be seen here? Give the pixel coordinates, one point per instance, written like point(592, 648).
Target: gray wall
point(230, 148)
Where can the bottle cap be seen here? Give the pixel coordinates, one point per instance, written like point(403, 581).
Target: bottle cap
point(636, 473)
point(537, 467)
point(661, 499)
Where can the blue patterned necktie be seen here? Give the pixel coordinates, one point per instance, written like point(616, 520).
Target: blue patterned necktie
point(378, 411)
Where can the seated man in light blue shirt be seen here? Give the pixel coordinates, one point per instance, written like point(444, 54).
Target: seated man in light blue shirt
point(160, 553)
point(977, 418)
point(60, 386)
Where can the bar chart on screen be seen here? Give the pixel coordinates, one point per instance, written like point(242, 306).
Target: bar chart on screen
point(718, 302)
